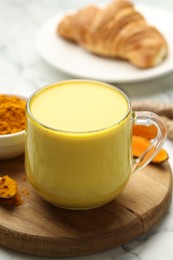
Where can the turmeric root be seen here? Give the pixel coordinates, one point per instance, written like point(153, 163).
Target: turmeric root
point(148, 132)
point(161, 109)
point(9, 195)
point(11, 202)
point(169, 126)
point(8, 187)
point(140, 144)
point(165, 111)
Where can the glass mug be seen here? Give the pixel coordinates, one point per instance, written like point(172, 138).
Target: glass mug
point(79, 143)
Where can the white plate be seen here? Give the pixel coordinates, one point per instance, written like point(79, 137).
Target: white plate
point(74, 60)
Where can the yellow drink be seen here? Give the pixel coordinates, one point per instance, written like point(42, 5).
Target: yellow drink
point(79, 107)
point(78, 146)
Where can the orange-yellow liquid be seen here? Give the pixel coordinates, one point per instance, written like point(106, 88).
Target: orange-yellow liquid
point(78, 148)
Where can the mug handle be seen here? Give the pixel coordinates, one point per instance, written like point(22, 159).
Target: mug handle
point(147, 118)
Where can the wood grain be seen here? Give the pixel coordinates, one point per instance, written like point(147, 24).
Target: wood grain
point(38, 228)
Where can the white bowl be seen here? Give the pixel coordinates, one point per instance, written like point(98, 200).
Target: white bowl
point(12, 145)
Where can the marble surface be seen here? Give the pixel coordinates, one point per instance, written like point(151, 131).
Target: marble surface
point(23, 71)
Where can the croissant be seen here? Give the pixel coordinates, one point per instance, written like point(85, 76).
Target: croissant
point(116, 31)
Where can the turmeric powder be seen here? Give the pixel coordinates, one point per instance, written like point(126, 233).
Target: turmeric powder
point(140, 145)
point(12, 114)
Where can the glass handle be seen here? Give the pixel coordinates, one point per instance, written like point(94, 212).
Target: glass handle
point(147, 118)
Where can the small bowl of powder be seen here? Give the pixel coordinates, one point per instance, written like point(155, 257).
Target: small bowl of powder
point(12, 125)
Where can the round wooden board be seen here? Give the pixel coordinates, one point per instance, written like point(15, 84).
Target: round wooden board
point(38, 228)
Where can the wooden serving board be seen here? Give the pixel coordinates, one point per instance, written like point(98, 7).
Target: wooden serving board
point(38, 228)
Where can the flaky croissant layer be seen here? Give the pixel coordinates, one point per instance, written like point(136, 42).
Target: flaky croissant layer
point(116, 31)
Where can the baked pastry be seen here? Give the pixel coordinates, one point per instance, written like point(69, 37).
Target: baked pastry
point(116, 31)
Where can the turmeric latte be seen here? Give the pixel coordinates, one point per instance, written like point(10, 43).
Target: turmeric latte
point(79, 107)
point(77, 139)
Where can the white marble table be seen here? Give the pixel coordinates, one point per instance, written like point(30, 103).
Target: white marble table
point(23, 71)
